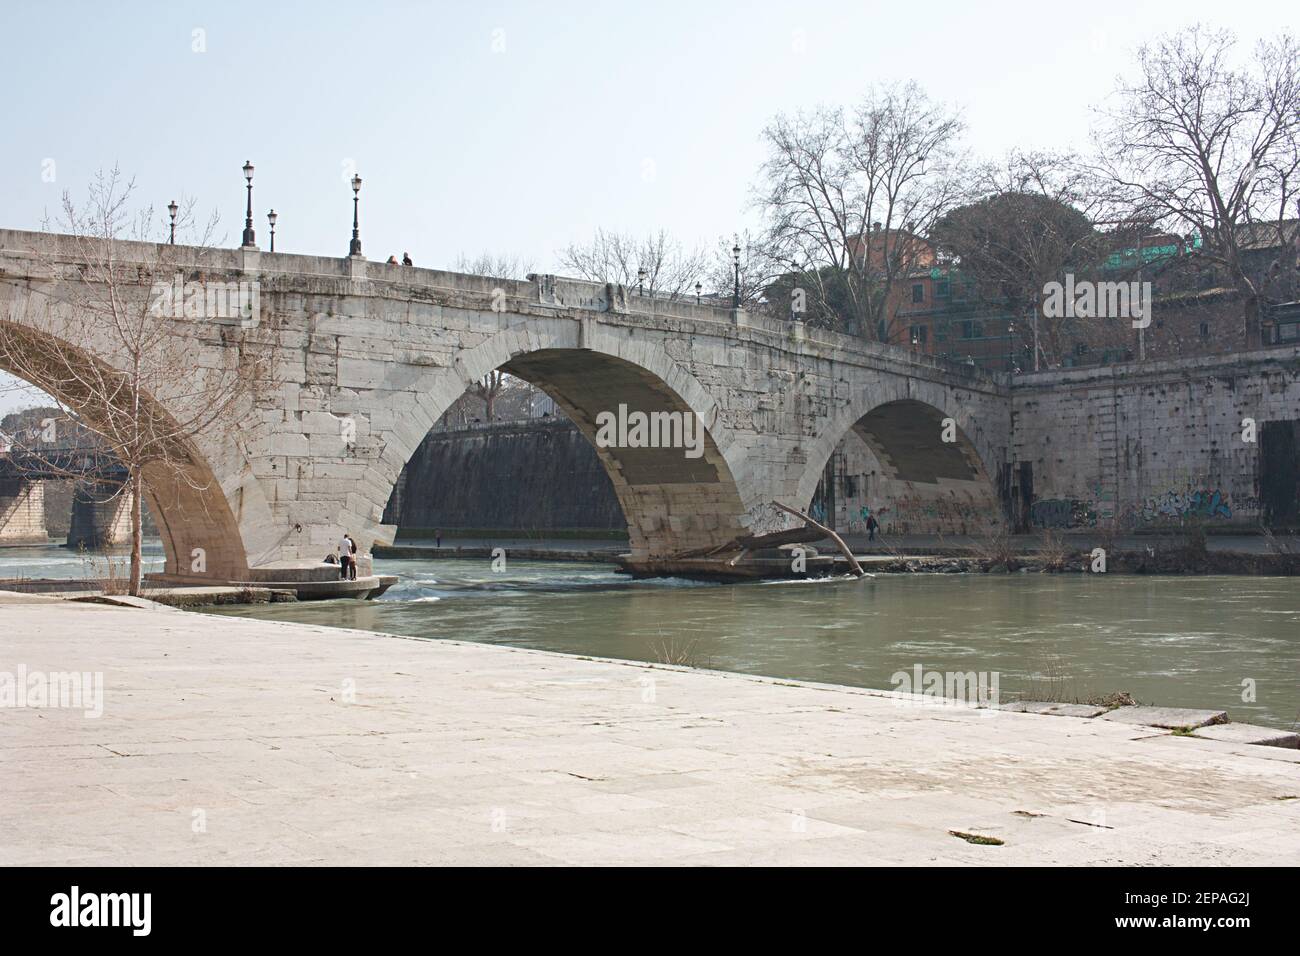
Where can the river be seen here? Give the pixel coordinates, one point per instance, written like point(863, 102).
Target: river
point(1181, 641)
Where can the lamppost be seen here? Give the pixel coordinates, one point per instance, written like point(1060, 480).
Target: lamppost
point(355, 248)
point(271, 217)
point(698, 289)
point(250, 238)
point(640, 280)
point(172, 209)
point(735, 258)
point(795, 290)
point(1034, 319)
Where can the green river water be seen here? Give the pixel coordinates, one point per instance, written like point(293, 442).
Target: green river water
point(1177, 641)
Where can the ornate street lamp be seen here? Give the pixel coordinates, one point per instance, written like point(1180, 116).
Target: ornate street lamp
point(797, 271)
point(355, 248)
point(172, 209)
point(735, 258)
point(698, 289)
point(250, 238)
point(271, 217)
point(640, 279)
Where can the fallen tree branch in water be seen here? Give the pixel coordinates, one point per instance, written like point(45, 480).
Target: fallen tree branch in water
point(844, 548)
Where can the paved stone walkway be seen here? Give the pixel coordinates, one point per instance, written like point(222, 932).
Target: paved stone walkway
point(232, 741)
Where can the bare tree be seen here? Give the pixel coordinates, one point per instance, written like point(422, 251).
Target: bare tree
point(750, 270)
point(657, 264)
point(1199, 146)
point(496, 266)
point(103, 333)
point(848, 196)
point(491, 386)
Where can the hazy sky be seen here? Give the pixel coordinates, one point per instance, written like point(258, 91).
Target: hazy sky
point(517, 128)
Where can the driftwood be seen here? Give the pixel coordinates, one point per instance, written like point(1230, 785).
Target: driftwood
point(811, 531)
point(754, 542)
point(775, 539)
point(844, 548)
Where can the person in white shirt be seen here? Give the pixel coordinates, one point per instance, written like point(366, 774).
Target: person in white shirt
point(347, 563)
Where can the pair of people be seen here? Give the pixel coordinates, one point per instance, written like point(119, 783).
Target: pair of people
point(347, 558)
point(406, 260)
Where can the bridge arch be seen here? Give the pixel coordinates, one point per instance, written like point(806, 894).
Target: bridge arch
point(203, 537)
point(672, 502)
point(925, 482)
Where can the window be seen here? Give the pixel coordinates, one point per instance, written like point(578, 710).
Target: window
point(918, 292)
point(972, 330)
point(919, 334)
point(1205, 330)
point(942, 289)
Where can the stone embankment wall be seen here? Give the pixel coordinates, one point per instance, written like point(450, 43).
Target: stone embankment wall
point(525, 476)
point(1146, 445)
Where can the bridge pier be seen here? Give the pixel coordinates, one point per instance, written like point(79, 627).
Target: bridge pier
point(22, 512)
point(101, 516)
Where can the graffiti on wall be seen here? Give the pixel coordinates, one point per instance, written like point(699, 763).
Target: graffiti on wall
point(1203, 503)
point(1193, 504)
point(1062, 513)
point(950, 513)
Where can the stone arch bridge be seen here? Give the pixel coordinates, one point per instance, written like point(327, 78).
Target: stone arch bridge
point(366, 357)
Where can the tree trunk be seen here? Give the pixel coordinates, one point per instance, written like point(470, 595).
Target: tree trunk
point(137, 535)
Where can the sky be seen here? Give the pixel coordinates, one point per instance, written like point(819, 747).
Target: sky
point(518, 128)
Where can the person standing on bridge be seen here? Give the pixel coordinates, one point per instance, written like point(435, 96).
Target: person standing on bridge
point(347, 563)
point(406, 259)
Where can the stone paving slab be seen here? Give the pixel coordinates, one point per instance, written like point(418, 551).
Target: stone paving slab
point(1250, 734)
point(1168, 718)
point(1053, 709)
point(242, 742)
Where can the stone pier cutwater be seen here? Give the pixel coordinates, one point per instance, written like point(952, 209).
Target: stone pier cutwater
point(22, 512)
point(101, 516)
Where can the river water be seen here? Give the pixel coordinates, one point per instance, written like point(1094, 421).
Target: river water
point(1178, 641)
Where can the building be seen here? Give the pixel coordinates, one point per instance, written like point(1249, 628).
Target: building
point(1195, 312)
